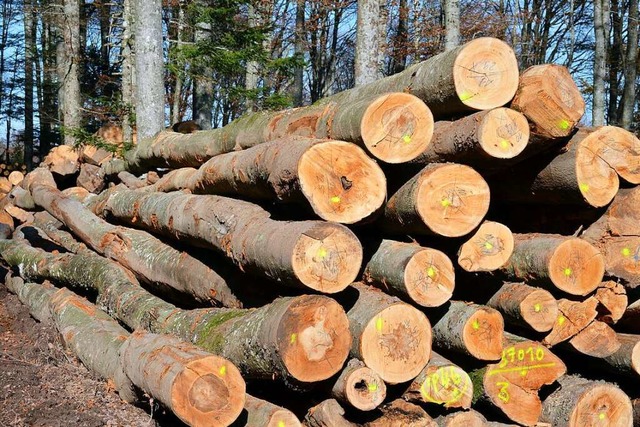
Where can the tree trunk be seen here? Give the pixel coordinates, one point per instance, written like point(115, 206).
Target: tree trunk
point(149, 68)
point(252, 75)
point(29, 58)
point(308, 254)
point(68, 57)
point(327, 413)
point(419, 275)
point(401, 413)
point(389, 336)
point(526, 306)
point(631, 66)
point(573, 317)
point(580, 402)
point(596, 340)
point(570, 264)
point(442, 383)
point(451, 24)
point(626, 360)
point(600, 63)
point(619, 148)
point(298, 77)
point(176, 105)
point(359, 387)
point(262, 413)
point(489, 248)
point(367, 42)
point(91, 178)
point(129, 87)
point(471, 330)
point(35, 296)
point(431, 203)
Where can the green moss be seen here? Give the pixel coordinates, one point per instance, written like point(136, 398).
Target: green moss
point(209, 337)
point(477, 379)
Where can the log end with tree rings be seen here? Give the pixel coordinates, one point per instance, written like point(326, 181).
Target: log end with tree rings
point(208, 391)
point(314, 338)
point(429, 278)
point(539, 310)
point(397, 127)
point(486, 74)
point(576, 267)
point(550, 99)
point(488, 249)
point(503, 133)
point(619, 148)
point(364, 389)
point(341, 182)
point(327, 257)
point(452, 199)
point(598, 181)
point(482, 334)
point(396, 343)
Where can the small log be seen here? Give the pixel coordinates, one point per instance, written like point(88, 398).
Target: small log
point(21, 198)
point(414, 273)
point(35, 296)
point(596, 340)
point(389, 336)
point(152, 177)
point(630, 320)
point(613, 301)
point(470, 329)
point(188, 126)
point(180, 179)
point(433, 203)
point(93, 155)
point(580, 402)
point(469, 418)
point(262, 413)
point(625, 360)
point(327, 413)
point(51, 227)
point(91, 178)
point(526, 306)
point(359, 386)
point(636, 411)
point(200, 388)
point(571, 265)
point(5, 185)
point(550, 99)
point(308, 254)
point(132, 181)
point(573, 317)
point(77, 193)
point(488, 249)
point(400, 413)
point(18, 213)
point(16, 177)
point(62, 160)
point(442, 383)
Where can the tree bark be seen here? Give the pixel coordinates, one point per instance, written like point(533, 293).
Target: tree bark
point(327, 413)
point(630, 321)
point(367, 42)
point(359, 386)
point(401, 413)
point(128, 68)
point(308, 254)
point(626, 360)
point(262, 413)
point(526, 306)
point(600, 63)
point(29, 59)
point(631, 67)
point(451, 24)
point(489, 248)
point(68, 54)
point(298, 77)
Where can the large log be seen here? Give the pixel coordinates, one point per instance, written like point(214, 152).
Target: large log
point(580, 402)
point(488, 249)
point(414, 273)
point(296, 340)
point(34, 295)
point(314, 254)
point(389, 336)
point(359, 386)
point(432, 202)
point(62, 160)
point(469, 418)
point(526, 306)
point(571, 265)
point(337, 179)
point(620, 149)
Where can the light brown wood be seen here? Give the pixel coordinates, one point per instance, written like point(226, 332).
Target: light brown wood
point(573, 317)
point(5, 185)
point(596, 340)
point(327, 413)
point(94, 155)
point(468, 418)
point(359, 386)
point(62, 160)
point(16, 177)
point(263, 413)
point(619, 148)
point(613, 301)
point(91, 178)
point(526, 306)
point(18, 213)
point(399, 413)
point(488, 249)
point(630, 320)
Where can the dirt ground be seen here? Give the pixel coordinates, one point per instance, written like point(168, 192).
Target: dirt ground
point(41, 384)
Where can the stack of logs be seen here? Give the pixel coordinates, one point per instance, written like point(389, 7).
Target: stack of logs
point(342, 263)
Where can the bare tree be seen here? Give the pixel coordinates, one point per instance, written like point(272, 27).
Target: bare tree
point(631, 64)
point(128, 69)
point(600, 63)
point(29, 46)
point(367, 42)
point(68, 53)
point(298, 80)
point(451, 23)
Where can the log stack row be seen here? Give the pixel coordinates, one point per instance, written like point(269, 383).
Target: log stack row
point(446, 246)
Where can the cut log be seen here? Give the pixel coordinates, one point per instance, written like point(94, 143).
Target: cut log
point(327, 413)
point(91, 178)
point(488, 249)
point(571, 265)
point(178, 179)
point(470, 329)
point(262, 413)
point(310, 343)
point(636, 411)
point(16, 177)
point(630, 320)
point(93, 155)
point(77, 193)
point(526, 306)
point(625, 360)
point(131, 181)
point(550, 99)
point(433, 202)
point(33, 295)
point(5, 185)
point(399, 413)
point(619, 148)
point(62, 160)
point(596, 340)
point(442, 383)
point(314, 254)
point(389, 336)
point(18, 213)
point(51, 227)
point(580, 402)
point(21, 198)
point(414, 273)
point(469, 418)
point(574, 174)
point(613, 301)
point(338, 179)
point(573, 317)
point(200, 388)
point(359, 386)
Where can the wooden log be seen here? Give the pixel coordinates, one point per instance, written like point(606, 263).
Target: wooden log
point(93, 155)
point(414, 273)
point(636, 411)
point(310, 343)
point(311, 254)
point(441, 383)
point(35, 296)
point(62, 160)
point(18, 214)
point(470, 329)
point(91, 178)
point(188, 126)
point(613, 301)
point(625, 360)
point(630, 320)
point(573, 317)
point(15, 177)
point(132, 181)
point(400, 413)
point(580, 402)
point(359, 386)
point(550, 99)
point(573, 174)
point(337, 179)
point(78, 193)
point(262, 413)
point(468, 418)
point(433, 203)
point(619, 148)
point(389, 336)
point(177, 179)
point(596, 340)
point(327, 413)
point(5, 185)
point(21, 198)
point(526, 306)
point(571, 265)
point(488, 249)
point(200, 388)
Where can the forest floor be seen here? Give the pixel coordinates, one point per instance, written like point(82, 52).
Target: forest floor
point(42, 384)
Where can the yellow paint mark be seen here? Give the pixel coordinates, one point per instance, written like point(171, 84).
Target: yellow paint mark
point(568, 272)
point(521, 368)
point(626, 252)
point(379, 324)
point(431, 272)
point(504, 144)
point(537, 307)
point(335, 199)
point(406, 139)
point(445, 203)
point(322, 253)
point(488, 246)
point(372, 387)
point(602, 416)
point(464, 96)
point(281, 424)
point(223, 370)
point(293, 338)
point(561, 320)
point(524, 372)
point(584, 188)
point(475, 325)
point(564, 124)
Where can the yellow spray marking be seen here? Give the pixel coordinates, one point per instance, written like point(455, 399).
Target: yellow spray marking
point(431, 272)
point(626, 252)
point(335, 199)
point(537, 308)
point(601, 415)
point(379, 324)
point(523, 373)
point(564, 124)
point(475, 324)
point(465, 96)
point(504, 144)
point(406, 139)
point(322, 253)
point(281, 424)
point(568, 272)
point(293, 338)
point(372, 387)
point(584, 188)
point(488, 246)
point(445, 203)
point(561, 320)
point(223, 370)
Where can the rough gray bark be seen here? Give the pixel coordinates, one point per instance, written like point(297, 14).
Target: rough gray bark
point(600, 64)
point(451, 23)
point(253, 68)
point(631, 66)
point(68, 53)
point(29, 58)
point(149, 68)
point(128, 69)
point(298, 77)
point(203, 81)
point(367, 42)
point(176, 113)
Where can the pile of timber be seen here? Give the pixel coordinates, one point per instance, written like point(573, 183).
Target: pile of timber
point(446, 246)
